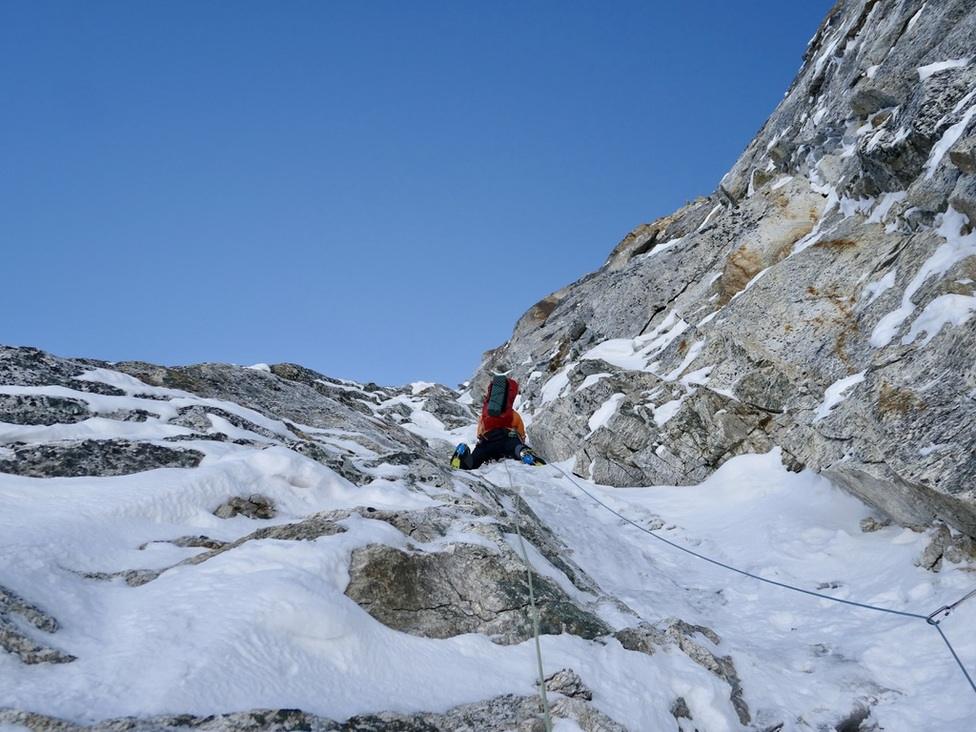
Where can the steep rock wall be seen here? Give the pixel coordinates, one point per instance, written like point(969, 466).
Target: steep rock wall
point(820, 300)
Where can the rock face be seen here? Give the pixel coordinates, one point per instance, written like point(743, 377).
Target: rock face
point(466, 589)
point(95, 458)
point(820, 300)
point(499, 714)
point(20, 643)
point(254, 506)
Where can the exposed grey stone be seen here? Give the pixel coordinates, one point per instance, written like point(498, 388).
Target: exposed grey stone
point(568, 683)
point(465, 589)
point(16, 641)
point(254, 506)
point(679, 709)
point(196, 418)
point(962, 154)
point(41, 409)
point(856, 721)
point(191, 542)
point(443, 404)
point(647, 638)
point(963, 196)
point(132, 577)
point(498, 714)
point(33, 367)
point(943, 544)
point(95, 458)
point(299, 400)
point(961, 549)
point(871, 524)
point(342, 464)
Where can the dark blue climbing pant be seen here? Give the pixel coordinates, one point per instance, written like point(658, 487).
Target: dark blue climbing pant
point(496, 445)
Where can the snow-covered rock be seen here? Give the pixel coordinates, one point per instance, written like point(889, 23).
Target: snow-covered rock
point(839, 246)
point(316, 566)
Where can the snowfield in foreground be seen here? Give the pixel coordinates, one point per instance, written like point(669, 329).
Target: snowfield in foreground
point(268, 624)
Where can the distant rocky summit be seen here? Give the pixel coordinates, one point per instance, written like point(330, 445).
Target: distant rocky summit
point(821, 299)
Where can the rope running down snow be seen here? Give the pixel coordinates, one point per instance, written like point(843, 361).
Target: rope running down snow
point(930, 619)
point(535, 613)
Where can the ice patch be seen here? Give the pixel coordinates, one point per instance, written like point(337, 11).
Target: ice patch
point(556, 384)
point(836, 393)
point(956, 248)
point(851, 206)
point(633, 354)
point(924, 72)
point(914, 19)
point(696, 378)
point(873, 290)
point(260, 367)
point(884, 206)
point(605, 413)
point(661, 247)
point(947, 140)
point(946, 309)
point(664, 413)
point(591, 380)
point(708, 218)
point(824, 57)
point(708, 318)
point(692, 354)
point(759, 275)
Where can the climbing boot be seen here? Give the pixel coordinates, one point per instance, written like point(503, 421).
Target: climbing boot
point(459, 452)
point(530, 458)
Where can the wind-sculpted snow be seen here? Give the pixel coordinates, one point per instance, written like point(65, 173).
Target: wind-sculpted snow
point(839, 245)
point(391, 596)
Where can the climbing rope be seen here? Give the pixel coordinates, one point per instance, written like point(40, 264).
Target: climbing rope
point(533, 610)
point(931, 619)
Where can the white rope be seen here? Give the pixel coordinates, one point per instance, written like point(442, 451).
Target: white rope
point(534, 611)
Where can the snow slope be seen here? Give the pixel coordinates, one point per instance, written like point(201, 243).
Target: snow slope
point(267, 623)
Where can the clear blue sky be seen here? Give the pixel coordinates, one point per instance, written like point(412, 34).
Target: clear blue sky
point(377, 190)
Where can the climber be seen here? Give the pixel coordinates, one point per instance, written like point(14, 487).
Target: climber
point(501, 432)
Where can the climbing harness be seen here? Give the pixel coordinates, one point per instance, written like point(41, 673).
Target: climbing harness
point(931, 619)
point(534, 611)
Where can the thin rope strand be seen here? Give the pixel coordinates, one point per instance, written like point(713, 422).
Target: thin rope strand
point(955, 656)
point(535, 612)
point(729, 567)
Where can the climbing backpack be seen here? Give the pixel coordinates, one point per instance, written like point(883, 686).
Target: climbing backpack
point(497, 412)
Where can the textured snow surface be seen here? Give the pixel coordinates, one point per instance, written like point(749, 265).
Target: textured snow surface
point(267, 624)
point(803, 652)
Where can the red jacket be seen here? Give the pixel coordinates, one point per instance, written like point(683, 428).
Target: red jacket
point(517, 424)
